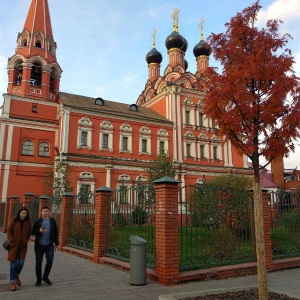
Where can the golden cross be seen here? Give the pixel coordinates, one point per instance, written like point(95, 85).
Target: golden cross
point(153, 37)
point(175, 19)
point(202, 20)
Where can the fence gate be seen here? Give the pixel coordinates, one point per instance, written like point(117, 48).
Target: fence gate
point(130, 211)
point(215, 226)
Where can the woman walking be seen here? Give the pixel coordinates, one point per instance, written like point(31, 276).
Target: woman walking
point(18, 235)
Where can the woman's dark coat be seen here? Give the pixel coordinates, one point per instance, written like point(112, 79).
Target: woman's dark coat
point(18, 238)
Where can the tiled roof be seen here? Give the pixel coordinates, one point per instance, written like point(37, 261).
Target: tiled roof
point(111, 108)
point(267, 180)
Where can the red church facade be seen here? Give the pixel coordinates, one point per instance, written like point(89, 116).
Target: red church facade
point(104, 142)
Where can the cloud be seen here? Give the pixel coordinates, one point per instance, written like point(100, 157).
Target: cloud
point(287, 10)
point(128, 79)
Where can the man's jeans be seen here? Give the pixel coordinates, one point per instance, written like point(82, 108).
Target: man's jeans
point(16, 268)
point(40, 250)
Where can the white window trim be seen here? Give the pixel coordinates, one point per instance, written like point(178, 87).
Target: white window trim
point(206, 151)
point(125, 131)
point(219, 152)
point(86, 178)
point(163, 136)
point(124, 180)
point(85, 125)
point(145, 134)
point(106, 128)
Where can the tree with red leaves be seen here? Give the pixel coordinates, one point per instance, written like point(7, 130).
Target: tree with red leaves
point(255, 101)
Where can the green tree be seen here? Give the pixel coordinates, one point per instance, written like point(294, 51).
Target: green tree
point(57, 181)
point(161, 166)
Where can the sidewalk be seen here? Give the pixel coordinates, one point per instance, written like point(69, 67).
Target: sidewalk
point(77, 278)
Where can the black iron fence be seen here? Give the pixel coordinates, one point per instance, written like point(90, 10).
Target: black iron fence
point(215, 226)
point(81, 222)
point(130, 211)
point(285, 223)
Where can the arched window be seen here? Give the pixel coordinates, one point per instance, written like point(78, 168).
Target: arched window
point(24, 43)
point(27, 148)
point(36, 75)
point(44, 149)
point(38, 44)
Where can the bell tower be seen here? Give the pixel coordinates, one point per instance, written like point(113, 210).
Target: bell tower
point(33, 70)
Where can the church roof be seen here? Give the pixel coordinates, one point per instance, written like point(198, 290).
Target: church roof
point(111, 108)
point(38, 18)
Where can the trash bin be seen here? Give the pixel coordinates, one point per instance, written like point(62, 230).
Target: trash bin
point(138, 260)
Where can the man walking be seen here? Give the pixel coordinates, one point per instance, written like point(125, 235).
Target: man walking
point(46, 241)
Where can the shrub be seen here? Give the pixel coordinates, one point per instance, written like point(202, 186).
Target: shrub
point(119, 219)
point(139, 216)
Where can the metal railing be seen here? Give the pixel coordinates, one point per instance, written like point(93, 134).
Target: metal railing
point(215, 227)
point(285, 223)
point(130, 211)
point(81, 222)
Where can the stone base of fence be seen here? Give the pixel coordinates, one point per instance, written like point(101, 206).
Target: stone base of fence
point(202, 275)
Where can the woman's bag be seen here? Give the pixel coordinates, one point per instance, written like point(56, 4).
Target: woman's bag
point(6, 245)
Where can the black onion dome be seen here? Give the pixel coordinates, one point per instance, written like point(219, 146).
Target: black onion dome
point(202, 48)
point(185, 46)
point(175, 40)
point(186, 64)
point(154, 56)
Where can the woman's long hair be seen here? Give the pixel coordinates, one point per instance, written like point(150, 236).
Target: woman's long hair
point(17, 217)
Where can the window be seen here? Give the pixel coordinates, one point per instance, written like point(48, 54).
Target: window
point(85, 188)
point(202, 155)
point(215, 152)
point(84, 196)
point(36, 75)
point(201, 119)
point(145, 140)
point(144, 145)
point(27, 148)
point(105, 141)
point(83, 139)
point(213, 123)
point(44, 149)
point(188, 150)
point(99, 101)
point(84, 134)
point(106, 136)
point(38, 44)
point(124, 143)
point(34, 108)
point(162, 141)
point(123, 192)
point(161, 147)
point(187, 117)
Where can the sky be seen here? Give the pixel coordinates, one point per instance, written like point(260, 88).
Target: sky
point(101, 45)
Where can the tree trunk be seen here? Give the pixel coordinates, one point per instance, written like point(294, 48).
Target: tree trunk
point(260, 243)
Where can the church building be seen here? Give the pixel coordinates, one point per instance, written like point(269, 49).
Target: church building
point(103, 142)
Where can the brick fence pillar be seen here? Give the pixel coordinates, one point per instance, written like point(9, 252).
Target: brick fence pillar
point(27, 199)
point(6, 214)
point(102, 196)
point(66, 206)
point(13, 201)
point(166, 232)
point(44, 200)
point(267, 229)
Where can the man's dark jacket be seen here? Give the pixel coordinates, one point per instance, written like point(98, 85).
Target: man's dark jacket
point(36, 230)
